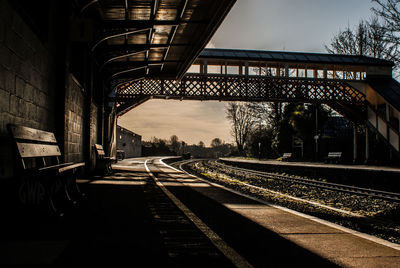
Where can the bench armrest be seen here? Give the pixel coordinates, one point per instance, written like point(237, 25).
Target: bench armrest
point(61, 167)
point(76, 165)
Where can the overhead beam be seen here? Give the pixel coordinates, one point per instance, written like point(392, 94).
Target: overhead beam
point(124, 55)
point(128, 71)
point(117, 24)
point(115, 35)
point(127, 65)
point(135, 47)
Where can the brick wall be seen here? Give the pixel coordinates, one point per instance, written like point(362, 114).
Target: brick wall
point(32, 86)
point(74, 121)
point(26, 82)
point(93, 132)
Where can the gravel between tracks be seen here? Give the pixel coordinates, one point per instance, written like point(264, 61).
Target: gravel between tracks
point(373, 216)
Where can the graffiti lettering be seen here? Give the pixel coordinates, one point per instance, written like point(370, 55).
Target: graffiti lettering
point(31, 192)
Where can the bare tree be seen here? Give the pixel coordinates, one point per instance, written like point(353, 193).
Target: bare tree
point(174, 143)
point(216, 142)
point(368, 38)
point(389, 12)
point(351, 42)
point(242, 120)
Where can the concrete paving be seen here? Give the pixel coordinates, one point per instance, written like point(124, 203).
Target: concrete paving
point(336, 244)
point(129, 220)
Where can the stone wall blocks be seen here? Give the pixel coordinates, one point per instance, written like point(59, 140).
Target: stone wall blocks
point(43, 83)
point(16, 64)
point(35, 79)
point(32, 112)
point(19, 86)
point(22, 108)
point(10, 82)
point(13, 105)
point(3, 124)
point(2, 77)
point(4, 100)
point(26, 70)
point(14, 42)
point(35, 60)
point(29, 92)
point(37, 125)
point(17, 44)
point(45, 101)
point(2, 31)
point(42, 113)
point(5, 57)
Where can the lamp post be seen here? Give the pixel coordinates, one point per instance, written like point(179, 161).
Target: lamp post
point(259, 150)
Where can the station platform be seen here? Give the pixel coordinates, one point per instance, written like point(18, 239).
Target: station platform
point(124, 221)
point(132, 218)
point(369, 168)
point(376, 177)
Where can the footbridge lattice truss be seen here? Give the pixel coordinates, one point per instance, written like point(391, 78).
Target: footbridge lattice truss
point(239, 88)
point(237, 75)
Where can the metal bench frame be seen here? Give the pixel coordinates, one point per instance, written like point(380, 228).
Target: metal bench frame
point(333, 157)
point(286, 156)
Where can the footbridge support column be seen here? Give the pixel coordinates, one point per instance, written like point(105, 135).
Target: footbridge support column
point(366, 144)
point(355, 156)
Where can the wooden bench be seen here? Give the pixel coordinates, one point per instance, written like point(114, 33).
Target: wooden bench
point(286, 156)
point(103, 162)
point(333, 157)
point(46, 182)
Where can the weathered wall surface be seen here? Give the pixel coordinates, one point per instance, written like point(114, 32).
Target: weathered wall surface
point(38, 91)
point(129, 142)
point(26, 82)
point(93, 132)
point(74, 121)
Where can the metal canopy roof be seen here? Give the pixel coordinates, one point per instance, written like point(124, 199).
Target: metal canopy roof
point(292, 57)
point(158, 38)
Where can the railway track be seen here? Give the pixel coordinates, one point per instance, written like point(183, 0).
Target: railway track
point(389, 196)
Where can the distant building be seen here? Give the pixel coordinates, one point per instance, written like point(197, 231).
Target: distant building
point(129, 142)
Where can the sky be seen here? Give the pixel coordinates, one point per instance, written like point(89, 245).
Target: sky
point(279, 25)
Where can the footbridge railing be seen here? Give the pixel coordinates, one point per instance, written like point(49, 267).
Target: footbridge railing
point(241, 88)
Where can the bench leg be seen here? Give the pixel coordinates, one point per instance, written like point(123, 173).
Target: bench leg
point(72, 187)
point(109, 168)
point(58, 195)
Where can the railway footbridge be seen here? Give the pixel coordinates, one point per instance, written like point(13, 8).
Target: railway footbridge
point(358, 87)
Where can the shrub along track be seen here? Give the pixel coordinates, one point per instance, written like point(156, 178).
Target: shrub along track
point(365, 213)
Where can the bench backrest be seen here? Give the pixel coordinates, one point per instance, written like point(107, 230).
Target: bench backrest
point(99, 150)
point(34, 144)
point(334, 154)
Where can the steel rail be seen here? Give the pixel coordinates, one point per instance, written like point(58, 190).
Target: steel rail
point(389, 196)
